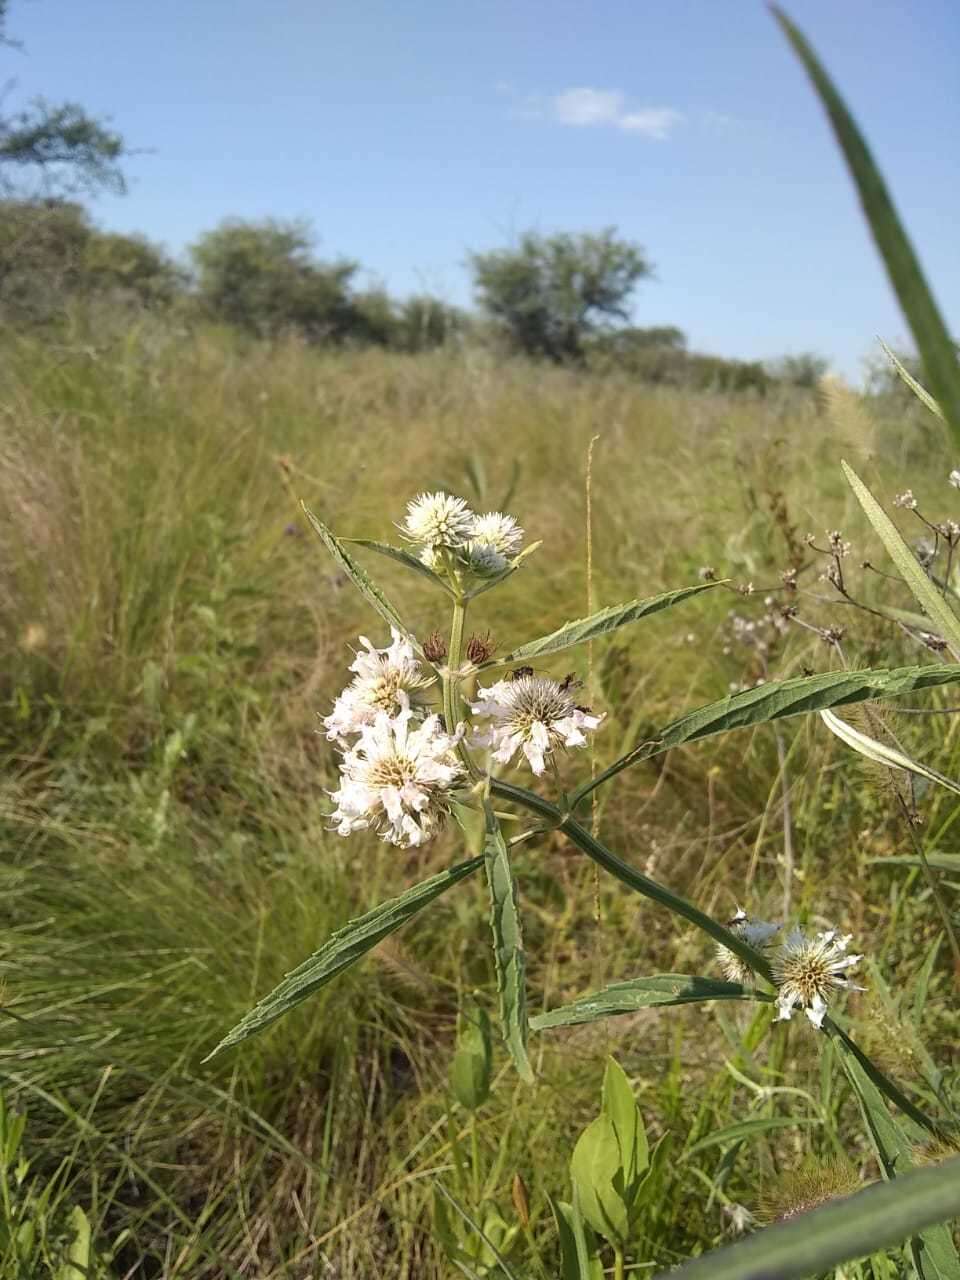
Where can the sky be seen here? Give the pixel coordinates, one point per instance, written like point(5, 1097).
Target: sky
point(410, 133)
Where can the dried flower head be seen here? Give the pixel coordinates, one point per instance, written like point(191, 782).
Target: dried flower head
point(434, 647)
point(533, 714)
point(481, 647)
point(384, 678)
point(438, 520)
point(759, 934)
point(808, 971)
point(397, 781)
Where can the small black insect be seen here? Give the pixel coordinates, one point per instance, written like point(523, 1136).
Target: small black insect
point(518, 673)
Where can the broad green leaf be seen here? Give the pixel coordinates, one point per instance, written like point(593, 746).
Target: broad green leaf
point(944, 620)
point(904, 270)
point(643, 993)
point(79, 1259)
point(932, 1249)
point(598, 624)
point(594, 1168)
point(472, 1060)
point(359, 577)
point(401, 556)
point(776, 701)
point(905, 376)
point(812, 1243)
point(882, 752)
point(620, 1108)
point(578, 1253)
point(748, 1129)
point(342, 949)
point(507, 943)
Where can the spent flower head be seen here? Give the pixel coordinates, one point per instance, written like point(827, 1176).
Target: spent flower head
point(534, 714)
point(808, 971)
point(383, 678)
point(438, 520)
point(758, 933)
point(398, 781)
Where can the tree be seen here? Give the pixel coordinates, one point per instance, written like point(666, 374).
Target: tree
point(53, 150)
point(802, 370)
point(550, 293)
point(263, 277)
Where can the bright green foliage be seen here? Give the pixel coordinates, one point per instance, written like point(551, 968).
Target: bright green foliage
point(549, 293)
point(643, 993)
point(479, 1244)
point(509, 957)
point(473, 1060)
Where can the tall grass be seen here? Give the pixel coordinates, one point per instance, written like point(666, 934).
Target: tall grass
point(168, 637)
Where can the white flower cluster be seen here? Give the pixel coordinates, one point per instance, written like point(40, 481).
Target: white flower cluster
point(806, 970)
point(532, 714)
point(382, 676)
point(439, 522)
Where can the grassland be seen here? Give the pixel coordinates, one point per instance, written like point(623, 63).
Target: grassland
point(170, 632)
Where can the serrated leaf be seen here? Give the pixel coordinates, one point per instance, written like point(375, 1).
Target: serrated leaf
point(507, 944)
point(942, 617)
point(776, 701)
point(744, 1129)
point(903, 268)
point(594, 1167)
point(620, 1108)
point(643, 993)
point(373, 595)
point(401, 557)
point(882, 752)
point(812, 1243)
point(343, 949)
point(598, 624)
point(905, 376)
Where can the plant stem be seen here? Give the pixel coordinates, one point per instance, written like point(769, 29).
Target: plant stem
point(617, 1263)
point(451, 689)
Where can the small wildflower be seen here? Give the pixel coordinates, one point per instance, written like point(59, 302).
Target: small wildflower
point(926, 553)
point(950, 530)
point(438, 520)
point(789, 579)
point(807, 972)
point(533, 714)
point(494, 540)
point(384, 677)
point(759, 935)
point(838, 547)
point(906, 500)
point(398, 782)
point(955, 477)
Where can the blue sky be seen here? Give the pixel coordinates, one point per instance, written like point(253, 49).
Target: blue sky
point(411, 132)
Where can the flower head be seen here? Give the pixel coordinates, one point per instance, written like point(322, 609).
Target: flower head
point(533, 713)
point(759, 935)
point(807, 972)
point(954, 478)
point(382, 677)
point(438, 520)
point(494, 539)
point(397, 781)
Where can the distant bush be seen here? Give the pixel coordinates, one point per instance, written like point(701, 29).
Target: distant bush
point(805, 369)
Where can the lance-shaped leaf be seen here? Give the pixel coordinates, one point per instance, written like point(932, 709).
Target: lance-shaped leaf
point(644, 993)
point(507, 943)
point(579, 1259)
point(776, 701)
point(942, 861)
point(812, 1243)
point(401, 557)
point(744, 1129)
point(906, 377)
point(359, 576)
point(944, 620)
point(904, 270)
point(598, 624)
point(342, 949)
point(882, 753)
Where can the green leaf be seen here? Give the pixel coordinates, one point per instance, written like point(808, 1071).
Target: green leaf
point(78, 1263)
point(942, 617)
point(620, 1108)
point(904, 270)
point(811, 1243)
point(941, 861)
point(578, 1253)
point(883, 753)
point(507, 944)
point(472, 1061)
point(905, 376)
point(402, 557)
point(342, 949)
point(748, 1129)
point(643, 993)
point(598, 624)
point(594, 1168)
point(359, 577)
point(776, 701)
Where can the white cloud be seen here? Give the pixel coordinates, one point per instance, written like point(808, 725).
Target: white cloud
point(588, 107)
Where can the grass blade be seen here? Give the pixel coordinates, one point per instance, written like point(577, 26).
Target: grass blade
point(811, 1243)
point(904, 270)
point(358, 576)
point(643, 993)
point(776, 701)
point(923, 590)
point(882, 753)
point(341, 950)
point(507, 944)
point(905, 376)
point(744, 1129)
point(598, 624)
point(401, 556)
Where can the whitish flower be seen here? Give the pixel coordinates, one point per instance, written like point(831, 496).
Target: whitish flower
point(757, 932)
point(397, 781)
point(383, 678)
point(438, 520)
point(955, 478)
point(533, 714)
point(807, 972)
point(494, 540)
point(907, 500)
point(484, 559)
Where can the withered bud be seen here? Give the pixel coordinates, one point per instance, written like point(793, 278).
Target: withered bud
point(521, 1201)
point(707, 573)
point(434, 647)
point(833, 635)
point(480, 648)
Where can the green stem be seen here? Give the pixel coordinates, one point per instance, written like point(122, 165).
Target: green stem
point(617, 1262)
point(451, 679)
point(475, 1160)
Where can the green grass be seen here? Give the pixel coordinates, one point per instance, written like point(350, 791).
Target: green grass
point(167, 645)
